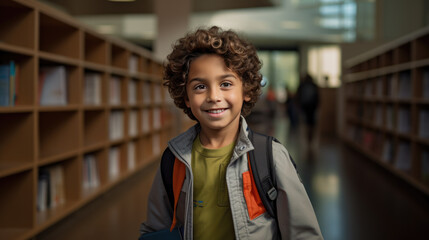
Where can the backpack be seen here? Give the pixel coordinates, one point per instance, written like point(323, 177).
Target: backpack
point(261, 161)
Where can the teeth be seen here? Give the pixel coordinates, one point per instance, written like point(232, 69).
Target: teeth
point(216, 111)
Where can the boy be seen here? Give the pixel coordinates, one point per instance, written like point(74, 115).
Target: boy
point(213, 75)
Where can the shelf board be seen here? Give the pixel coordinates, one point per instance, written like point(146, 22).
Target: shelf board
point(95, 66)
point(9, 168)
point(14, 233)
point(404, 176)
point(58, 58)
point(57, 157)
point(16, 49)
point(50, 216)
point(16, 109)
point(94, 147)
point(67, 108)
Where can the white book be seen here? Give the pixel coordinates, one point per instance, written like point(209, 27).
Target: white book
point(56, 177)
point(85, 172)
point(424, 124)
point(132, 123)
point(94, 180)
point(132, 92)
point(113, 163)
point(92, 90)
point(133, 62)
point(53, 85)
point(131, 156)
point(116, 125)
point(115, 90)
point(42, 193)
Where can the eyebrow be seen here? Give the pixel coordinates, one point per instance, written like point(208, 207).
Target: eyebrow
point(221, 77)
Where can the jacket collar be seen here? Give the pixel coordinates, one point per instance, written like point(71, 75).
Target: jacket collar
point(181, 146)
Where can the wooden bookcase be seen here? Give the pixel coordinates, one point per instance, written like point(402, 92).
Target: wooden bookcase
point(35, 137)
point(386, 114)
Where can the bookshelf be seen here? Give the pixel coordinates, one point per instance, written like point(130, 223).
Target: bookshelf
point(387, 107)
point(89, 135)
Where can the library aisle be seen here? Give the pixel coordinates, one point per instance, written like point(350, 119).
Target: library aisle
point(353, 198)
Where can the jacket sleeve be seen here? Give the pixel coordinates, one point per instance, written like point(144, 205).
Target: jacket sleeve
point(296, 217)
point(159, 212)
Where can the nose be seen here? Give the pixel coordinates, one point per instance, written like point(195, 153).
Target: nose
point(213, 95)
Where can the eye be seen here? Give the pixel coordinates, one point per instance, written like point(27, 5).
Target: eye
point(226, 84)
point(199, 87)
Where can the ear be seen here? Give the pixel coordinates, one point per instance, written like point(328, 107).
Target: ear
point(247, 98)
point(187, 102)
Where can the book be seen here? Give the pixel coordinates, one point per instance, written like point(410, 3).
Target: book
point(156, 117)
point(387, 151)
point(132, 94)
point(92, 90)
point(113, 165)
point(132, 123)
point(116, 125)
point(403, 121)
point(131, 163)
point(133, 62)
point(147, 91)
point(53, 86)
point(389, 117)
point(42, 191)
point(90, 175)
point(12, 83)
point(4, 84)
point(423, 123)
point(145, 121)
point(115, 90)
point(403, 158)
point(404, 85)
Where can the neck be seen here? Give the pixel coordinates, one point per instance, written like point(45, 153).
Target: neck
point(213, 138)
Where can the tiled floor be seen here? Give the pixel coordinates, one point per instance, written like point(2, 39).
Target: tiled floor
point(353, 198)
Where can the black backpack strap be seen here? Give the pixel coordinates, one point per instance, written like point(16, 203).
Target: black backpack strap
point(261, 161)
point(167, 164)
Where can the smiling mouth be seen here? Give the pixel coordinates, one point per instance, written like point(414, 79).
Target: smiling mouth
point(216, 111)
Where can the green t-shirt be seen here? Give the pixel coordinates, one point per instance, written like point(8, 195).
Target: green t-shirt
point(212, 212)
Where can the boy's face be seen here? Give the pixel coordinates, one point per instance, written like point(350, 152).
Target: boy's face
point(215, 93)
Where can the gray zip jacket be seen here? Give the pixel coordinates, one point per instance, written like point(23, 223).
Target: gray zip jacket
point(296, 218)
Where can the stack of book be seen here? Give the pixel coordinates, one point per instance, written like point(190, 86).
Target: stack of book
point(9, 78)
point(53, 86)
point(50, 190)
point(90, 175)
point(92, 90)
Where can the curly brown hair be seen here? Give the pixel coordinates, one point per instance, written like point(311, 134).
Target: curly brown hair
point(239, 55)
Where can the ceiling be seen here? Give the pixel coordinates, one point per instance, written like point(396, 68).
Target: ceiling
point(267, 23)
